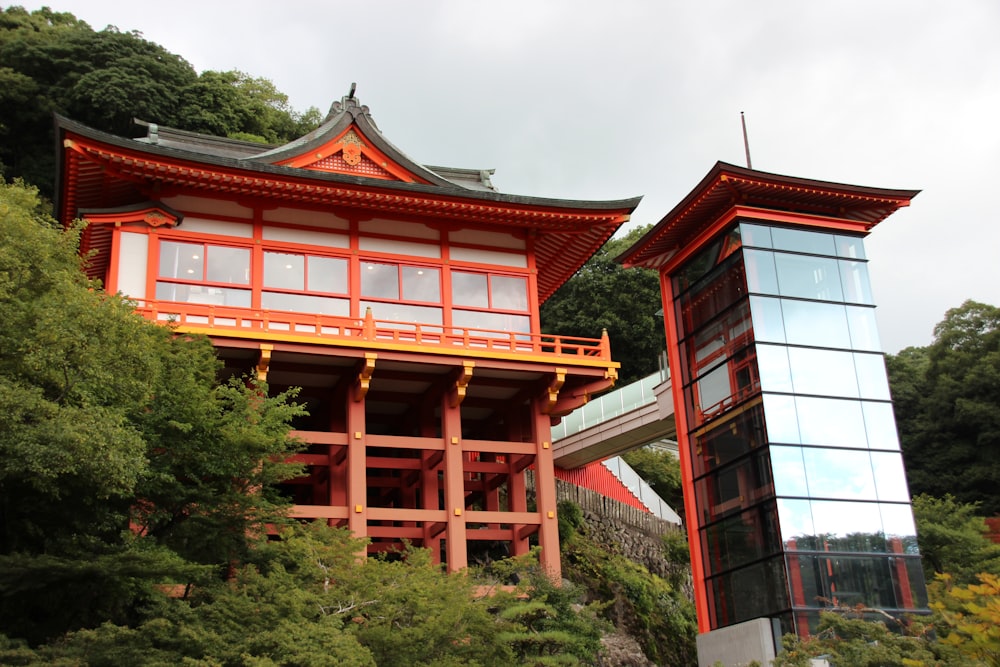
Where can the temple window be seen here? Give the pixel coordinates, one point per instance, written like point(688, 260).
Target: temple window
point(204, 273)
point(305, 283)
point(489, 301)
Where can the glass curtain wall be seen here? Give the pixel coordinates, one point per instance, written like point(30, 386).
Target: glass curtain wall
point(800, 492)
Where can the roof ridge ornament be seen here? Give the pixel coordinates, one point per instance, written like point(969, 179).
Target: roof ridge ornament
point(348, 104)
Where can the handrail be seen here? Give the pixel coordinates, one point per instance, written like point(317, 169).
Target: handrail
point(332, 328)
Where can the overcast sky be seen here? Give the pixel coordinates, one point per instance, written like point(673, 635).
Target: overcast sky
point(607, 100)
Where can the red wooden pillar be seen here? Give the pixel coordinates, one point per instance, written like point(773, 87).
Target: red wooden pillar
point(357, 486)
point(545, 492)
point(454, 484)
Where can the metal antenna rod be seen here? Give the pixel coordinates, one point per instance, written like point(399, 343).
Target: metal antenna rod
point(746, 141)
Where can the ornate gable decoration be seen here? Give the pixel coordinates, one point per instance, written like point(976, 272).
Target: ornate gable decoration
point(351, 154)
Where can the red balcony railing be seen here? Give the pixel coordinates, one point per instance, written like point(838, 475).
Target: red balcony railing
point(330, 329)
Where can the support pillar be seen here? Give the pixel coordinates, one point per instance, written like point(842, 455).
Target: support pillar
point(545, 491)
point(454, 485)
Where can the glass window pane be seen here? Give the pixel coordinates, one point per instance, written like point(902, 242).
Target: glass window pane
point(816, 324)
point(780, 416)
point(182, 260)
point(421, 283)
point(851, 247)
point(848, 526)
point(227, 265)
point(400, 312)
point(728, 439)
point(839, 473)
point(880, 423)
point(469, 289)
point(755, 235)
point(768, 324)
point(215, 296)
point(844, 581)
point(742, 538)
point(327, 274)
point(509, 292)
point(284, 271)
point(480, 321)
point(873, 382)
point(899, 527)
point(823, 372)
point(789, 471)
point(772, 365)
point(890, 477)
point(807, 277)
point(795, 517)
point(305, 303)
point(857, 287)
point(379, 280)
point(760, 273)
point(830, 421)
point(754, 591)
point(800, 240)
point(864, 330)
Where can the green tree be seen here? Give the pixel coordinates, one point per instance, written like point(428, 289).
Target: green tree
point(662, 471)
point(947, 397)
point(969, 618)
point(603, 295)
point(952, 538)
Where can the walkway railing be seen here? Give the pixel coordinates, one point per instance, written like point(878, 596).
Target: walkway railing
point(330, 328)
point(609, 406)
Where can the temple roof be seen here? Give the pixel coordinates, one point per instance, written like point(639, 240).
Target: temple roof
point(345, 164)
point(729, 189)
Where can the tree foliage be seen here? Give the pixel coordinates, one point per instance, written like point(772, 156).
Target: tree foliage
point(947, 397)
point(953, 538)
point(625, 302)
point(53, 62)
point(662, 471)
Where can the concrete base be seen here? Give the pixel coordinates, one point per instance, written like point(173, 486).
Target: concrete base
point(738, 645)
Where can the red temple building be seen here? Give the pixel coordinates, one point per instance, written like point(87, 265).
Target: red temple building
point(403, 300)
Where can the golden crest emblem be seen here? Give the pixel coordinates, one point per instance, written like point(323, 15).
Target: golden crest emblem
point(352, 154)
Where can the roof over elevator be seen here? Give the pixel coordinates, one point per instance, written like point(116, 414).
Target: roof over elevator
point(728, 191)
point(345, 165)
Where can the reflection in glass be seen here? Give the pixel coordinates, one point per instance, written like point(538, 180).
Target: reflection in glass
point(284, 271)
point(421, 283)
point(379, 281)
point(823, 372)
point(751, 592)
point(772, 364)
point(780, 417)
point(845, 581)
point(768, 323)
point(741, 538)
point(890, 477)
point(830, 421)
point(851, 247)
point(839, 522)
point(880, 423)
point(795, 518)
point(755, 235)
point(899, 527)
point(305, 303)
point(815, 324)
point(857, 287)
point(728, 438)
point(734, 488)
point(215, 296)
point(182, 260)
point(713, 294)
point(872, 378)
point(509, 292)
point(469, 289)
point(808, 277)
point(799, 240)
point(864, 331)
point(839, 473)
point(789, 471)
point(761, 276)
point(227, 265)
point(327, 274)
point(724, 386)
point(718, 339)
point(400, 312)
point(485, 321)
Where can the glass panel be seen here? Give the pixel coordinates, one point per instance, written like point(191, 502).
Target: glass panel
point(734, 488)
point(719, 339)
point(900, 528)
point(796, 521)
point(839, 473)
point(228, 265)
point(844, 581)
point(182, 260)
point(479, 320)
point(857, 287)
point(421, 283)
point(880, 423)
point(768, 323)
point(305, 303)
point(715, 293)
point(328, 274)
point(509, 292)
point(890, 477)
point(799, 240)
point(781, 419)
point(755, 235)
point(697, 267)
point(379, 280)
point(823, 372)
point(760, 273)
point(808, 277)
point(399, 312)
point(284, 271)
point(847, 526)
point(740, 539)
point(725, 386)
point(829, 421)
point(728, 439)
point(908, 575)
point(751, 592)
point(789, 471)
point(873, 382)
point(864, 330)
point(469, 289)
point(772, 364)
point(216, 296)
point(852, 247)
point(817, 324)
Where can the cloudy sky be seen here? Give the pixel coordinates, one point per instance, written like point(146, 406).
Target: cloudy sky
point(589, 100)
